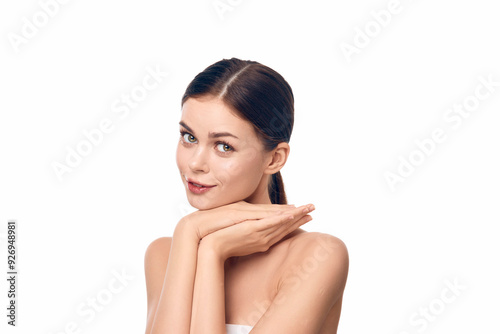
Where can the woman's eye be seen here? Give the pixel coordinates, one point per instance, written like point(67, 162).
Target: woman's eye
point(189, 138)
point(221, 146)
point(224, 147)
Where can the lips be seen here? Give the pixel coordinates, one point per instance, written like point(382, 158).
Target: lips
point(196, 187)
point(197, 183)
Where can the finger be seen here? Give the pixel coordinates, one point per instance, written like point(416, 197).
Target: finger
point(271, 207)
point(282, 218)
point(296, 221)
point(252, 214)
point(264, 206)
point(286, 229)
point(297, 211)
point(272, 222)
point(277, 234)
point(300, 211)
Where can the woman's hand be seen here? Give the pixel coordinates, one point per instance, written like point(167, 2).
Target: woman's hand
point(204, 222)
point(256, 235)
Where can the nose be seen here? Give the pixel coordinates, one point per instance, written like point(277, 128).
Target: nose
point(198, 161)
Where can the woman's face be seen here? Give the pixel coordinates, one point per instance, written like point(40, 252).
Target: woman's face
point(219, 149)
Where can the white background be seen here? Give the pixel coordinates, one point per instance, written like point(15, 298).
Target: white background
point(353, 120)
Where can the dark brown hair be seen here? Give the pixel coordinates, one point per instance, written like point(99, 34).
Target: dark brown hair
point(260, 95)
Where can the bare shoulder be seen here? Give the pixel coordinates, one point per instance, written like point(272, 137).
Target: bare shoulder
point(159, 244)
point(311, 251)
point(317, 266)
point(155, 267)
point(318, 242)
point(311, 280)
point(156, 257)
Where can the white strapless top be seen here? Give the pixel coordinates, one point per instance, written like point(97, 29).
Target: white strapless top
point(238, 329)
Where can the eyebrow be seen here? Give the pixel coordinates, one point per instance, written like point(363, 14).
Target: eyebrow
point(210, 134)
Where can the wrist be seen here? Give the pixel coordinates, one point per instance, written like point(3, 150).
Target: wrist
point(185, 228)
point(210, 248)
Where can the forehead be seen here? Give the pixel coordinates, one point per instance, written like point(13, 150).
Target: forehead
point(209, 114)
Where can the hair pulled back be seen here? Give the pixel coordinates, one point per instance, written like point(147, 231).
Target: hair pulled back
point(260, 95)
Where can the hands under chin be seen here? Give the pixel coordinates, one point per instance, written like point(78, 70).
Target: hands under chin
point(254, 235)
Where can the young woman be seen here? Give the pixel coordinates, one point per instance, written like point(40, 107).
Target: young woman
point(241, 264)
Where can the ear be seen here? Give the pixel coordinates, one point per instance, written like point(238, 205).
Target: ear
point(277, 158)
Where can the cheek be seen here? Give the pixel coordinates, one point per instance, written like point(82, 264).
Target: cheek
point(239, 172)
point(246, 169)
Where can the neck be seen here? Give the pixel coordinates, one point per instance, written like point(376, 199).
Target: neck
point(261, 194)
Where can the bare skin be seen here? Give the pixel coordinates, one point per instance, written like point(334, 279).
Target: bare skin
point(250, 281)
point(248, 294)
point(240, 260)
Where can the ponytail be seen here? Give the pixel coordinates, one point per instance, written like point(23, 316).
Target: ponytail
point(276, 189)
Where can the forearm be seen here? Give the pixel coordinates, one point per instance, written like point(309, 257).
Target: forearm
point(173, 314)
point(208, 312)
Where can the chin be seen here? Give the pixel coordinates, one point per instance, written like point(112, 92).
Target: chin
point(202, 205)
point(208, 204)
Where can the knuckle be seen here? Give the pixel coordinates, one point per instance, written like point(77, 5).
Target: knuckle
point(268, 241)
point(265, 247)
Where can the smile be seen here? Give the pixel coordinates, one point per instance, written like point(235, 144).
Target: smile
point(196, 187)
